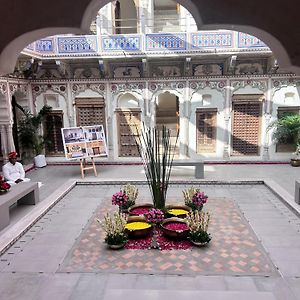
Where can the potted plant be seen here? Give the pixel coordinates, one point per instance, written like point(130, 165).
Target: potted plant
point(198, 224)
point(287, 131)
point(30, 138)
point(132, 192)
point(194, 198)
point(157, 154)
point(114, 227)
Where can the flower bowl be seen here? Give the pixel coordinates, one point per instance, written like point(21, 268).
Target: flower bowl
point(139, 209)
point(177, 210)
point(137, 227)
point(175, 228)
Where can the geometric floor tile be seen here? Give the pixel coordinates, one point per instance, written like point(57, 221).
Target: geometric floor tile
point(233, 250)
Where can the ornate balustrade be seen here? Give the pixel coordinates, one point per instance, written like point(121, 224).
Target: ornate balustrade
point(141, 44)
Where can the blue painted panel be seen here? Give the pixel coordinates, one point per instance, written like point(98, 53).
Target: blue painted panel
point(121, 43)
point(80, 44)
point(211, 40)
point(44, 45)
point(168, 41)
point(248, 41)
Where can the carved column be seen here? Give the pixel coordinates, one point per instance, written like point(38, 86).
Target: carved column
point(69, 103)
point(110, 112)
point(184, 124)
point(227, 130)
point(4, 149)
point(267, 115)
point(10, 140)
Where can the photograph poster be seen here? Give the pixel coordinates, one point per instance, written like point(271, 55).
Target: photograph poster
point(83, 142)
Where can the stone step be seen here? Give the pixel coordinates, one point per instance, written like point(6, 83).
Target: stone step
point(179, 294)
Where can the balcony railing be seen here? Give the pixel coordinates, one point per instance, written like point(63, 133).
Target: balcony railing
point(144, 44)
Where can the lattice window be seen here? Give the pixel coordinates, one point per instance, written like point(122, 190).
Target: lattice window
point(287, 146)
point(52, 132)
point(129, 125)
point(90, 111)
point(206, 130)
point(246, 126)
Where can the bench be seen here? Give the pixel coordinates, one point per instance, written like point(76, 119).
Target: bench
point(21, 193)
point(199, 166)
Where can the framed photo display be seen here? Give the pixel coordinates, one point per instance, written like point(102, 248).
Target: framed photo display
point(83, 142)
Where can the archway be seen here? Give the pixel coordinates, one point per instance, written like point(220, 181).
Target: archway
point(167, 114)
point(65, 17)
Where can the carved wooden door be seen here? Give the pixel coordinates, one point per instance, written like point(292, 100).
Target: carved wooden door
point(129, 125)
point(52, 132)
point(206, 120)
point(90, 111)
point(246, 128)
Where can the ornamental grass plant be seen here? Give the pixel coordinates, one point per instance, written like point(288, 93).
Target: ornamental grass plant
point(132, 192)
point(198, 222)
point(114, 227)
point(156, 151)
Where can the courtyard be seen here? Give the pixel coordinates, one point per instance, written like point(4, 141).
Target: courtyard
point(253, 253)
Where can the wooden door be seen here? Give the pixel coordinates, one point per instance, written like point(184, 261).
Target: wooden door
point(129, 125)
point(206, 120)
point(246, 128)
point(52, 132)
point(90, 111)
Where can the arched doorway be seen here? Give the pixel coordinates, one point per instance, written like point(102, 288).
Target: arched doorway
point(125, 17)
point(167, 114)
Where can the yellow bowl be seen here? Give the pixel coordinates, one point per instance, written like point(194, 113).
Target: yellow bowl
point(137, 226)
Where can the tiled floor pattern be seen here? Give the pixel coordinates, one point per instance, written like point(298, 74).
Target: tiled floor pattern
point(234, 249)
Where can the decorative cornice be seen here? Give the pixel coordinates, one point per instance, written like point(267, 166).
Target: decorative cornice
point(155, 86)
point(200, 85)
point(38, 89)
point(138, 87)
point(3, 88)
point(260, 84)
point(18, 87)
point(77, 88)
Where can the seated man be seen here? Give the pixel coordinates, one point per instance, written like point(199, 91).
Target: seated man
point(13, 171)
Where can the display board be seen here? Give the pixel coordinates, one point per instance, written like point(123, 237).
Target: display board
point(84, 142)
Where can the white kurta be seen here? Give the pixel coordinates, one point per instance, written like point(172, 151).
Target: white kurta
point(13, 172)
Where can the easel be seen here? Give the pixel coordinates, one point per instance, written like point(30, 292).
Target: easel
point(83, 166)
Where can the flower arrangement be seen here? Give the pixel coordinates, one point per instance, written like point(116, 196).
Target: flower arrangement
point(4, 186)
point(198, 222)
point(157, 152)
point(119, 198)
point(194, 198)
point(114, 227)
point(154, 216)
point(132, 192)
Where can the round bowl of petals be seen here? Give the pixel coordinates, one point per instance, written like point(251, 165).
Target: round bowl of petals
point(137, 227)
point(139, 209)
point(178, 210)
point(175, 228)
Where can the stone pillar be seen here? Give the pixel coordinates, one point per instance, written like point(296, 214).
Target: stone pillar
point(10, 139)
point(227, 130)
point(110, 107)
point(4, 148)
point(150, 17)
point(69, 103)
point(267, 115)
point(184, 123)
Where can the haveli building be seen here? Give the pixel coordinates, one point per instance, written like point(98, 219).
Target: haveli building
point(221, 89)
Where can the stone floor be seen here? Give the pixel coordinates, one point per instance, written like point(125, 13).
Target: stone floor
point(35, 266)
point(234, 249)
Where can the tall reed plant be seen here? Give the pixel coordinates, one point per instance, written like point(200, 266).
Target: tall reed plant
point(157, 153)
